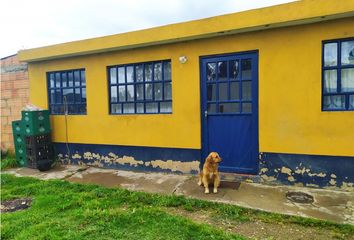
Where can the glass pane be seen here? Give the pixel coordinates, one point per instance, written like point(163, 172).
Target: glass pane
point(229, 107)
point(211, 95)
point(223, 92)
point(168, 91)
point(247, 90)
point(130, 74)
point(167, 70)
point(116, 108)
point(246, 66)
point(83, 78)
point(113, 75)
point(151, 108)
point(64, 79)
point(348, 80)
point(72, 109)
point(71, 79)
point(128, 108)
point(139, 75)
point(330, 81)
point(114, 94)
point(77, 78)
point(234, 69)
point(246, 107)
point(51, 80)
point(121, 75)
point(333, 102)
point(158, 71)
point(57, 96)
point(234, 90)
point(166, 107)
point(351, 102)
point(211, 71)
point(69, 95)
point(83, 95)
point(148, 91)
point(211, 108)
point(330, 54)
point(121, 93)
point(140, 92)
point(158, 91)
point(82, 108)
point(222, 71)
point(148, 72)
point(52, 96)
point(130, 93)
point(140, 107)
point(77, 95)
point(347, 52)
point(57, 80)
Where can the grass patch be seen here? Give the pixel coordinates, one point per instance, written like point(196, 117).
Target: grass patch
point(63, 210)
point(8, 160)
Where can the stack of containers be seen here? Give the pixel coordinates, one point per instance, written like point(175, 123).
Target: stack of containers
point(19, 142)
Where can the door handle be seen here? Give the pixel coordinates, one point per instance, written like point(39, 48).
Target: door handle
point(206, 114)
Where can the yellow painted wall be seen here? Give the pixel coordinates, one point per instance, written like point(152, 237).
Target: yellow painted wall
point(290, 116)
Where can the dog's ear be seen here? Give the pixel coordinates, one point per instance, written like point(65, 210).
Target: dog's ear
point(209, 158)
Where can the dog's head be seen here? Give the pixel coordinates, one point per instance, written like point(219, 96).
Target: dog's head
point(213, 157)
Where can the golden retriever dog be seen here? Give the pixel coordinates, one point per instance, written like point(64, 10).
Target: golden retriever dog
point(210, 173)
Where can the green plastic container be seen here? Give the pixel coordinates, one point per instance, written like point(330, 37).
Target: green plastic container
point(17, 127)
point(36, 122)
point(19, 142)
point(21, 156)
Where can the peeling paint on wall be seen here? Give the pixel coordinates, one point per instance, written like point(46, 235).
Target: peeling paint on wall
point(286, 170)
point(176, 165)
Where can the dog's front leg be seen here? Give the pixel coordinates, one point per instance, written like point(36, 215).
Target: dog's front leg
point(205, 183)
point(216, 182)
point(200, 176)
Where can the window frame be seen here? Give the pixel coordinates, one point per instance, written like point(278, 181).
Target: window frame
point(338, 68)
point(73, 87)
point(134, 83)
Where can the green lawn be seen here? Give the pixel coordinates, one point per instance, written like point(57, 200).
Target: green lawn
point(63, 210)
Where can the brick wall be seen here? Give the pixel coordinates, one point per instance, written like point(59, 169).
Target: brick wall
point(14, 96)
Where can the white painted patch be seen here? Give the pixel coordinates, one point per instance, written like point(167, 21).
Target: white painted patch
point(286, 170)
point(333, 176)
point(332, 182)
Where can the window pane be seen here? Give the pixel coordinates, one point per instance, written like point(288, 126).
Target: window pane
point(114, 94)
point(333, 102)
point(57, 80)
point(128, 108)
point(77, 78)
point(351, 102)
point(247, 90)
point(166, 107)
point(234, 70)
point(72, 109)
point(246, 66)
point(211, 95)
point(246, 107)
point(211, 71)
point(222, 71)
point(116, 108)
point(211, 108)
point(77, 95)
point(148, 91)
point(140, 92)
point(82, 108)
point(167, 70)
point(330, 81)
point(121, 93)
point(139, 73)
point(57, 96)
point(347, 52)
point(71, 79)
point(148, 72)
point(52, 96)
point(158, 91)
point(223, 91)
point(168, 91)
point(140, 107)
point(121, 75)
point(83, 78)
point(151, 108)
point(64, 79)
point(158, 71)
point(51, 80)
point(113, 75)
point(348, 80)
point(234, 90)
point(330, 54)
point(83, 95)
point(69, 95)
point(130, 74)
point(229, 107)
point(130, 93)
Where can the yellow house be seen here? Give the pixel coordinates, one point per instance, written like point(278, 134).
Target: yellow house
point(271, 90)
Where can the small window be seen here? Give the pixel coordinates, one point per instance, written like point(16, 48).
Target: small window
point(141, 88)
point(67, 92)
point(338, 75)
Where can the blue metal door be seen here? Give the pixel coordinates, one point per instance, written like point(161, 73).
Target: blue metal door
point(229, 92)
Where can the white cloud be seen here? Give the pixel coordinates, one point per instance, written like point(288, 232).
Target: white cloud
point(28, 24)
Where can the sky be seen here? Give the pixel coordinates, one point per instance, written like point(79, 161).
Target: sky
point(34, 23)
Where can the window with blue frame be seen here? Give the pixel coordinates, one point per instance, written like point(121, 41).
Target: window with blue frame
point(338, 75)
point(67, 91)
point(140, 88)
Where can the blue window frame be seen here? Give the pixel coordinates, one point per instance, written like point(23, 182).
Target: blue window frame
point(67, 90)
point(140, 88)
point(338, 75)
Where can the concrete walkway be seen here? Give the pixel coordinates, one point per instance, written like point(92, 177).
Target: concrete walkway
point(335, 206)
